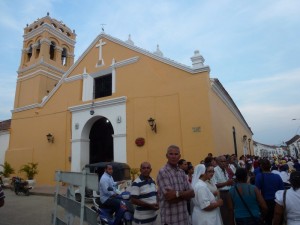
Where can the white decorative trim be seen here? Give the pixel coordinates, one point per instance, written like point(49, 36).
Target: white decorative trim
point(113, 81)
point(229, 104)
point(100, 57)
point(41, 62)
point(159, 58)
point(129, 41)
point(39, 72)
point(59, 48)
point(79, 140)
point(118, 135)
point(25, 108)
point(73, 78)
point(108, 102)
point(51, 30)
point(125, 62)
point(45, 40)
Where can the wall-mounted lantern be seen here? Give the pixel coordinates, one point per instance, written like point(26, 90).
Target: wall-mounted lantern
point(152, 124)
point(50, 138)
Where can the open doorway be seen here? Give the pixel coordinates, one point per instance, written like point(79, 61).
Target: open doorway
point(101, 141)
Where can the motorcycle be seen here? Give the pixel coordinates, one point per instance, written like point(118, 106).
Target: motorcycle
point(123, 216)
point(20, 186)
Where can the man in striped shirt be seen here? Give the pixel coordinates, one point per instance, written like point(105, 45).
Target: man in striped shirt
point(2, 196)
point(144, 196)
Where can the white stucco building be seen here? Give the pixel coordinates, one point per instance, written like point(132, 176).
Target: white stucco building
point(4, 139)
point(264, 150)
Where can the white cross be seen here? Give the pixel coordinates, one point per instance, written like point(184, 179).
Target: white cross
point(100, 59)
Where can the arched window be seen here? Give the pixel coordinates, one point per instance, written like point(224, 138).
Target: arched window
point(38, 49)
point(29, 53)
point(64, 57)
point(52, 51)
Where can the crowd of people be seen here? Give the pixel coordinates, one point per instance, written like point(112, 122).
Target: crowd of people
point(219, 190)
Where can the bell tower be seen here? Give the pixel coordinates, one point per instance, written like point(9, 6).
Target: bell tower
point(48, 52)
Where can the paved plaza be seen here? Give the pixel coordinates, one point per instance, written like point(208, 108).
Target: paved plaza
point(35, 209)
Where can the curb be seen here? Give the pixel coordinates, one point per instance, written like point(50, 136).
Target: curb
point(41, 194)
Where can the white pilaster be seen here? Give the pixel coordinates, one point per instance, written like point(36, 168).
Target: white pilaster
point(87, 89)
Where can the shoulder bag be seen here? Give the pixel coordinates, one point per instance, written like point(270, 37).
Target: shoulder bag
point(284, 208)
point(259, 221)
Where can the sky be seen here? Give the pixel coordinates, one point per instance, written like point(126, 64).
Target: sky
point(252, 47)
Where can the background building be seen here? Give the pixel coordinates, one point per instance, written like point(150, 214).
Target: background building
point(4, 139)
point(269, 151)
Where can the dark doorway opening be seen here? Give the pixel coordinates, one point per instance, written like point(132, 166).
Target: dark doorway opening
point(101, 141)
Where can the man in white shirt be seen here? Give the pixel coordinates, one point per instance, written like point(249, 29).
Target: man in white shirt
point(223, 184)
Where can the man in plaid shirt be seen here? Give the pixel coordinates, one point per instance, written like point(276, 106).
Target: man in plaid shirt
point(173, 190)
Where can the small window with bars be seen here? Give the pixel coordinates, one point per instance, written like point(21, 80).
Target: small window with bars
point(103, 86)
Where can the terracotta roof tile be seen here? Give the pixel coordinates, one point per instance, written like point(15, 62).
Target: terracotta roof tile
point(5, 125)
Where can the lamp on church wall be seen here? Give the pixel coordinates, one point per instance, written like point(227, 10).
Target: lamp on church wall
point(249, 140)
point(244, 138)
point(50, 138)
point(152, 124)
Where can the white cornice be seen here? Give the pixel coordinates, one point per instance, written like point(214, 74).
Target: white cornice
point(108, 102)
point(41, 63)
point(228, 102)
point(125, 62)
point(27, 107)
point(154, 56)
point(39, 72)
point(50, 29)
point(73, 78)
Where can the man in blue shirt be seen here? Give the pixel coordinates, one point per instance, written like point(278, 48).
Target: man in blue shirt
point(268, 183)
point(107, 189)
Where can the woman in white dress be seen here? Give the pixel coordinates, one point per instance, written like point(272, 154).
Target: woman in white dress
point(291, 202)
point(206, 208)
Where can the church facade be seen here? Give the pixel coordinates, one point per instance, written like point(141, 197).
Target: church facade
point(117, 102)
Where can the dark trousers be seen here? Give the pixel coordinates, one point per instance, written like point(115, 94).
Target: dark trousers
point(224, 208)
point(112, 203)
point(270, 214)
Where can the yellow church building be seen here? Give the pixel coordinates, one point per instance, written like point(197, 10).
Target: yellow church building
point(117, 102)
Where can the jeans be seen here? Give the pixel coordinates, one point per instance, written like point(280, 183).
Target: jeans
point(246, 221)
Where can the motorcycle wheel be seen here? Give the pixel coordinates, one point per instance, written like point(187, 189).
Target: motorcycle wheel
point(26, 192)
